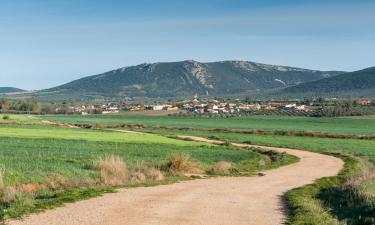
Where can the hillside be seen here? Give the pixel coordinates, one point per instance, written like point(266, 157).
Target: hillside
point(177, 79)
point(6, 90)
point(358, 83)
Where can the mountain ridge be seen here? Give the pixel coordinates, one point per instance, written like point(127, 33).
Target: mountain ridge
point(357, 83)
point(185, 78)
point(7, 90)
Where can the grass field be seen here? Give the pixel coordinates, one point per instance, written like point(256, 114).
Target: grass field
point(34, 155)
point(353, 125)
point(31, 153)
point(355, 146)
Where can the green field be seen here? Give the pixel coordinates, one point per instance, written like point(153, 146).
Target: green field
point(85, 134)
point(355, 146)
point(353, 125)
point(35, 154)
point(31, 153)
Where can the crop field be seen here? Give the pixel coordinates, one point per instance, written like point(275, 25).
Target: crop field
point(355, 146)
point(353, 125)
point(29, 153)
point(85, 134)
point(37, 155)
point(33, 151)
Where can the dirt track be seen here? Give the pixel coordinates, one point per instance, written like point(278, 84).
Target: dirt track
point(224, 201)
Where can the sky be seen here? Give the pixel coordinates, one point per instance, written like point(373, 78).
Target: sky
point(44, 43)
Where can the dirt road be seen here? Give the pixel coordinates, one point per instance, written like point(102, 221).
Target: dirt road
point(221, 201)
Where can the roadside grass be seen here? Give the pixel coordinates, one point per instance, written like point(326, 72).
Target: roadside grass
point(43, 166)
point(332, 200)
point(348, 198)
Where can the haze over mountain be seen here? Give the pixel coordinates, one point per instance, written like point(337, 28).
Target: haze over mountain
point(186, 78)
point(358, 83)
point(7, 90)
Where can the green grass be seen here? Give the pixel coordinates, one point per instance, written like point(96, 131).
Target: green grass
point(355, 146)
point(327, 200)
point(32, 154)
point(85, 134)
point(19, 118)
point(29, 160)
point(353, 125)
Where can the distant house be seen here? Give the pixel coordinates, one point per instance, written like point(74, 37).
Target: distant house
point(108, 110)
point(364, 101)
point(158, 107)
point(294, 105)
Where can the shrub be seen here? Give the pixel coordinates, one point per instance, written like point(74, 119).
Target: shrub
point(182, 163)
point(6, 117)
point(150, 172)
point(221, 167)
point(112, 170)
point(16, 193)
point(137, 177)
point(56, 182)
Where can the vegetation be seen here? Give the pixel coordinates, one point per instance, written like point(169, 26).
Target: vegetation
point(347, 198)
point(21, 105)
point(358, 83)
point(332, 200)
point(44, 166)
point(99, 159)
point(349, 125)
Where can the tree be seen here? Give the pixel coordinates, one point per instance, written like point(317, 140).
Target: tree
point(4, 104)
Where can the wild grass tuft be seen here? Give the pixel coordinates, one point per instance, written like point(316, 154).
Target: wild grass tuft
point(151, 172)
point(112, 170)
point(221, 167)
point(137, 177)
point(182, 163)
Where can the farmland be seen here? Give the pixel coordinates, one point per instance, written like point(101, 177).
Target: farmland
point(329, 198)
point(33, 150)
point(353, 125)
point(34, 154)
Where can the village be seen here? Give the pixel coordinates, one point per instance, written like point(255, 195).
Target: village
point(199, 106)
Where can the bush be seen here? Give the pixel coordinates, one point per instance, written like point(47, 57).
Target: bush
point(151, 172)
point(221, 167)
point(182, 163)
point(137, 177)
point(112, 170)
point(57, 182)
point(6, 117)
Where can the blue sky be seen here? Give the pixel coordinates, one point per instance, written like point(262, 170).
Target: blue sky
point(47, 43)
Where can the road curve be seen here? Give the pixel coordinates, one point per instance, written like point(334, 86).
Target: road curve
point(221, 201)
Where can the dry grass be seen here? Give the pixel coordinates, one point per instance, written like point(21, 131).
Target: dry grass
point(150, 172)
point(57, 182)
point(262, 163)
point(12, 193)
point(221, 167)
point(137, 177)
point(112, 170)
point(182, 163)
point(1, 180)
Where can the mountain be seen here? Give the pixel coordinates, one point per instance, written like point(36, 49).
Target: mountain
point(186, 78)
point(7, 90)
point(358, 83)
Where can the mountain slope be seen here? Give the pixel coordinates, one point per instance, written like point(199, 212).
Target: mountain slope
point(358, 83)
point(6, 90)
point(176, 79)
